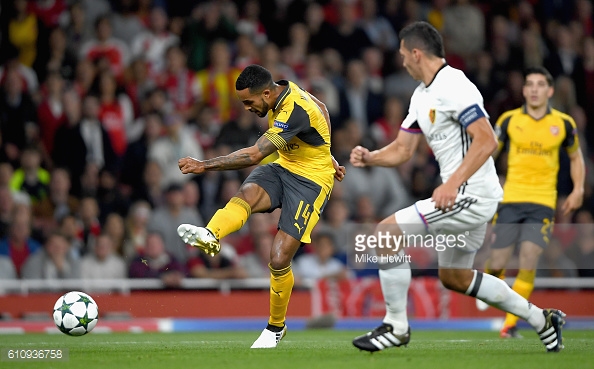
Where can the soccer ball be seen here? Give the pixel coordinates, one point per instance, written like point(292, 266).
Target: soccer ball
point(76, 313)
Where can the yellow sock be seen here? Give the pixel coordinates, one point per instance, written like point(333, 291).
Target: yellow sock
point(488, 270)
point(281, 285)
point(523, 285)
point(230, 218)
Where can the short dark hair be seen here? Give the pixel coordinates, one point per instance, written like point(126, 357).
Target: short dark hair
point(539, 70)
point(255, 77)
point(423, 36)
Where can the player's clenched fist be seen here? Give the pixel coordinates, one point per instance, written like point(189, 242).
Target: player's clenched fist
point(190, 165)
point(358, 156)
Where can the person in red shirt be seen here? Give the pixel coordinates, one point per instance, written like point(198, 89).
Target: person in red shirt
point(180, 83)
point(115, 112)
point(50, 113)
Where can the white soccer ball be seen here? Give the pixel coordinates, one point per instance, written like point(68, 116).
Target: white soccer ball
point(76, 313)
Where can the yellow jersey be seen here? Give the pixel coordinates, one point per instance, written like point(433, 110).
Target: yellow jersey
point(297, 127)
point(533, 153)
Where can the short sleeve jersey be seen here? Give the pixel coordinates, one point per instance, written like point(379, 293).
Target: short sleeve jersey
point(442, 111)
point(297, 127)
point(533, 153)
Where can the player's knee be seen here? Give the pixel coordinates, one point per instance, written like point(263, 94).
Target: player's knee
point(454, 279)
point(278, 262)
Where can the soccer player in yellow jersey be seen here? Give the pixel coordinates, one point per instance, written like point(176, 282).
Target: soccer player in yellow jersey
point(532, 135)
point(299, 181)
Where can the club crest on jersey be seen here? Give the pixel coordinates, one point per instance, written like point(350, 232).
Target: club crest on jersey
point(555, 130)
point(281, 125)
point(432, 115)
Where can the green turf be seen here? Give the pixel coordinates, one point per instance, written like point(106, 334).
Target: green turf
point(304, 349)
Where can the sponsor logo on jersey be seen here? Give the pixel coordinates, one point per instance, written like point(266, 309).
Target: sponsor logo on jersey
point(290, 147)
point(281, 125)
point(432, 115)
point(555, 130)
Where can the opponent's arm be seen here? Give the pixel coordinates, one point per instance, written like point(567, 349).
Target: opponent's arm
point(397, 152)
point(484, 143)
point(577, 171)
point(239, 159)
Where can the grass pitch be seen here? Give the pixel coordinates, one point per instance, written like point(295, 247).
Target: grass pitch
point(303, 349)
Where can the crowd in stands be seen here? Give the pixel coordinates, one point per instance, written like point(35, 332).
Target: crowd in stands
point(99, 99)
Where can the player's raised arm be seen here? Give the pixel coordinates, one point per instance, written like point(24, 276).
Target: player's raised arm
point(239, 159)
point(397, 152)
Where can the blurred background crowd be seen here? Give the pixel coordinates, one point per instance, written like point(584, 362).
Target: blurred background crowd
point(99, 99)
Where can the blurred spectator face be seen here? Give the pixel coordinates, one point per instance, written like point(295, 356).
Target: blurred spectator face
point(72, 106)
point(90, 178)
point(176, 59)
point(154, 246)
point(57, 39)
point(537, 90)
point(337, 211)
point(323, 248)
point(103, 30)
point(373, 59)
point(158, 20)
point(191, 194)
point(69, 227)
point(20, 6)
point(89, 210)
point(157, 100)
point(77, 13)
point(152, 174)
point(173, 123)
point(20, 229)
point(107, 180)
point(314, 15)
point(347, 13)
point(103, 247)
point(60, 182)
point(30, 159)
point(85, 72)
point(57, 247)
point(114, 227)
point(13, 84)
point(55, 84)
point(298, 34)
point(220, 55)
point(394, 110)
point(175, 198)
point(108, 84)
point(91, 107)
point(333, 61)
point(153, 126)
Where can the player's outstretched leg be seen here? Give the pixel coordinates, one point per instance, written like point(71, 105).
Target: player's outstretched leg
point(394, 331)
point(547, 323)
point(199, 237)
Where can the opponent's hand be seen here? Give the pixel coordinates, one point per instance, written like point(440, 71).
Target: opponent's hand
point(339, 170)
point(573, 202)
point(190, 165)
point(358, 156)
point(444, 197)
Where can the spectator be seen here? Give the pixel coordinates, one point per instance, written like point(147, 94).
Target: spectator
point(153, 43)
point(19, 245)
point(180, 83)
point(126, 23)
point(6, 209)
point(320, 264)
point(24, 31)
point(136, 229)
point(115, 228)
point(385, 129)
point(156, 262)
point(217, 82)
point(113, 52)
point(349, 33)
point(377, 28)
point(167, 150)
point(53, 261)
point(243, 131)
point(109, 197)
point(138, 85)
point(135, 159)
point(88, 216)
point(99, 148)
point(221, 266)
point(50, 113)
point(59, 201)
point(166, 218)
point(255, 263)
point(463, 28)
point(31, 178)
point(70, 228)
point(17, 116)
point(60, 58)
point(103, 263)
